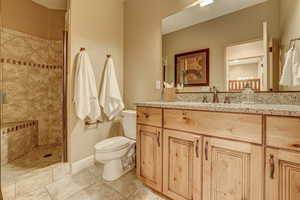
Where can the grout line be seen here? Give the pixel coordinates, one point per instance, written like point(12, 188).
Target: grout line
point(104, 183)
point(113, 189)
point(48, 193)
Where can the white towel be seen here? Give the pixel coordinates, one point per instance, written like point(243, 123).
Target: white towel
point(291, 69)
point(85, 94)
point(110, 97)
point(296, 68)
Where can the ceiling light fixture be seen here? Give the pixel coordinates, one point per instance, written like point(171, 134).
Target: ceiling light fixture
point(206, 3)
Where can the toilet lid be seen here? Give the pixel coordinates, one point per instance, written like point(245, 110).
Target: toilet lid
point(112, 144)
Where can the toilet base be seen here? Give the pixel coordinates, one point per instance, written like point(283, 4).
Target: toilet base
point(114, 170)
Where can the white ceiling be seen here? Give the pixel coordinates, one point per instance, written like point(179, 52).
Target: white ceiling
point(53, 4)
point(196, 14)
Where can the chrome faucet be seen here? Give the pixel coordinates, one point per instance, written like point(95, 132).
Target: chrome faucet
point(204, 100)
point(215, 97)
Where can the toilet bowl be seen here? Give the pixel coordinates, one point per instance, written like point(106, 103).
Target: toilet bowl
point(118, 153)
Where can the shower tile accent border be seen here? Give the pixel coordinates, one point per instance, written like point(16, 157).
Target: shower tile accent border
point(11, 127)
point(17, 139)
point(32, 75)
point(25, 63)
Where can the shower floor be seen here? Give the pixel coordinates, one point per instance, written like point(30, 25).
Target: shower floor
point(41, 157)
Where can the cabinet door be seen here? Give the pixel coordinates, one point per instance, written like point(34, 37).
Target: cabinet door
point(232, 170)
point(282, 175)
point(149, 156)
point(182, 165)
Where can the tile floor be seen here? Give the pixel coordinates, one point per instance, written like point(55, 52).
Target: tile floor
point(31, 162)
point(25, 180)
point(88, 185)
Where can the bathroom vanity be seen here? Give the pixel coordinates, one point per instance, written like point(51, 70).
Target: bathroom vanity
point(195, 151)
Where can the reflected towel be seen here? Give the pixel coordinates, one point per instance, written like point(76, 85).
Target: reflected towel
point(291, 69)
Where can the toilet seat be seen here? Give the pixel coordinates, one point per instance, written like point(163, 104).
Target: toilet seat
point(112, 144)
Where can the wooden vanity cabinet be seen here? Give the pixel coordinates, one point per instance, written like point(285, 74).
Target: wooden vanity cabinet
point(232, 170)
point(149, 156)
point(218, 156)
point(282, 175)
point(182, 167)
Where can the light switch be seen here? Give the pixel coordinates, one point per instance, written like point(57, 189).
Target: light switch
point(158, 85)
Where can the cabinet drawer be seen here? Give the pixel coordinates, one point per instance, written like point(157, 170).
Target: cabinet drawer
point(243, 127)
point(149, 116)
point(283, 132)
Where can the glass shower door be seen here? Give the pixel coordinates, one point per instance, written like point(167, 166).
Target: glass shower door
point(31, 76)
point(2, 96)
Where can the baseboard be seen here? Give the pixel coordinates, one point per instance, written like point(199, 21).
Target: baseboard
point(82, 164)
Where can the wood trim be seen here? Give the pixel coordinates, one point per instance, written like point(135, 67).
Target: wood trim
point(281, 149)
point(281, 116)
point(240, 113)
point(65, 98)
point(148, 125)
point(217, 137)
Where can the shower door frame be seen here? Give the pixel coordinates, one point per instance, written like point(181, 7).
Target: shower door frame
point(1, 82)
point(65, 99)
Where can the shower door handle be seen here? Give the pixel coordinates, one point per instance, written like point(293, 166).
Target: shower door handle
point(3, 98)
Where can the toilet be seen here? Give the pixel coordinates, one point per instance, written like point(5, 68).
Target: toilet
point(118, 153)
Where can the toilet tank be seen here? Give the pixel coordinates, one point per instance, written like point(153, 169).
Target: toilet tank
point(129, 123)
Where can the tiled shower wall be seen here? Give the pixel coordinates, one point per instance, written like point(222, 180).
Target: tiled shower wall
point(33, 81)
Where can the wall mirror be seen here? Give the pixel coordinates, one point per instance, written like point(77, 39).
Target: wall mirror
point(232, 45)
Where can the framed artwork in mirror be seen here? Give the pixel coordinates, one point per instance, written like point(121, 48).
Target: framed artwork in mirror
point(192, 68)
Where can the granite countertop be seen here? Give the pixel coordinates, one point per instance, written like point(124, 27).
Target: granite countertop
point(267, 109)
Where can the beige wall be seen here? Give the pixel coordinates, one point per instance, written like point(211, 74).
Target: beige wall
point(243, 71)
point(142, 50)
point(245, 50)
point(28, 17)
point(289, 26)
point(169, 7)
point(96, 25)
point(143, 44)
point(216, 34)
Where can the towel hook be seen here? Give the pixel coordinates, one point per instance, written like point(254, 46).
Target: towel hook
point(82, 49)
point(293, 43)
point(108, 55)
